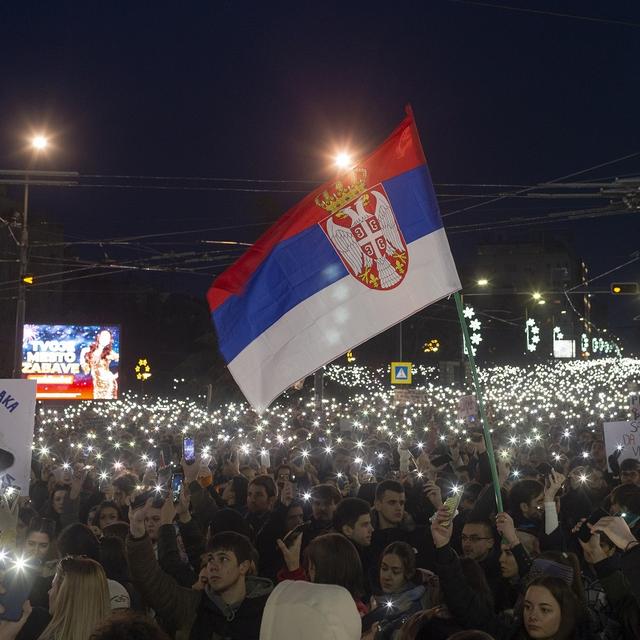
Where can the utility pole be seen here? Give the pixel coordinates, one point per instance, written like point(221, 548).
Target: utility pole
point(22, 273)
point(28, 178)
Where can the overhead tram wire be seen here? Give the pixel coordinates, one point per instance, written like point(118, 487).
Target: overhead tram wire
point(555, 14)
point(544, 184)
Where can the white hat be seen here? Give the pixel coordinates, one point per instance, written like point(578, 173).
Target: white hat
point(298, 609)
point(118, 595)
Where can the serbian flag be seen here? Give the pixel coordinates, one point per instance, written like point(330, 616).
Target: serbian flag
point(353, 258)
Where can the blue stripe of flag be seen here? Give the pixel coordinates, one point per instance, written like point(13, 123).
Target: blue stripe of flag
point(302, 265)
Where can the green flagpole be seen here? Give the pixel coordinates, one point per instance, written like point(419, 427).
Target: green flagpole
point(476, 383)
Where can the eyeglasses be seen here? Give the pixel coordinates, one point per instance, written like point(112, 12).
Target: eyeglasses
point(473, 539)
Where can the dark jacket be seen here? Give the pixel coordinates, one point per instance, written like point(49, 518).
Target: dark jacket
point(197, 615)
point(266, 542)
point(419, 537)
point(470, 609)
point(631, 569)
point(624, 606)
point(204, 506)
point(170, 559)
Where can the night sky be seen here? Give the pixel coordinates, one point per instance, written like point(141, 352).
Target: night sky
point(269, 90)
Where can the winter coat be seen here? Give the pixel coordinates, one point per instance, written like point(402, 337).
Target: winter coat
point(418, 537)
point(197, 615)
point(631, 569)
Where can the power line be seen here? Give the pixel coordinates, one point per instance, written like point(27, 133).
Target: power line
point(556, 180)
point(635, 258)
point(554, 14)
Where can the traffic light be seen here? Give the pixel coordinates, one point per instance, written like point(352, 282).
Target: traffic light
point(625, 288)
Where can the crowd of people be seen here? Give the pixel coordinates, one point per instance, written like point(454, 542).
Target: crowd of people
point(367, 519)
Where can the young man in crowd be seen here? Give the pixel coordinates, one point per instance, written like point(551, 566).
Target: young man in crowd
point(479, 543)
point(630, 471)
point(353, 520)
point(261, 498)
point(392, 524)
point(324, 502)
point(232, 602)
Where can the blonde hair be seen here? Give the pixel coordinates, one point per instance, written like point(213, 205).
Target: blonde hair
point(82, 601)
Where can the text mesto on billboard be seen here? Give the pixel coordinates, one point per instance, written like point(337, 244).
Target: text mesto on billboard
point(72, 362)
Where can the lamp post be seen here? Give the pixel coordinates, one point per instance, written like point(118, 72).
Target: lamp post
point(39, 143)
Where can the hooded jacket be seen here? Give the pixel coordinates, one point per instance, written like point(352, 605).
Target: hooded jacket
point(298, 610)
point(196, 615)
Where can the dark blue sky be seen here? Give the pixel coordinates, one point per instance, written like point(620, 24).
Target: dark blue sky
point(266, 90)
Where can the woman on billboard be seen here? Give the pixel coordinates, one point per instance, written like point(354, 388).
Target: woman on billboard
point(96, 359)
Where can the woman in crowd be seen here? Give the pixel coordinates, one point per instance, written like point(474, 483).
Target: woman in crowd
point(329, 559)
point(78, 600)
point(400, 594)
point(551, 610)
point(106, 513)
point(39, 545)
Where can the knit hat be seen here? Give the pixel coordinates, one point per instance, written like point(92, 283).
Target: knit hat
point(541, 567)
point(298, 609)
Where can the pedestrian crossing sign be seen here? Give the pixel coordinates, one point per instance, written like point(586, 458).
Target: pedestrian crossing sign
point(401, 373)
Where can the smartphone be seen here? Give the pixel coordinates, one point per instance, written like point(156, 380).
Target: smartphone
point(451, 505)
point(584, 533)
point(188, 450)
point(440, 460)
point(291, 537)
point(18, 581)
point(177, 480)
point(630, 518)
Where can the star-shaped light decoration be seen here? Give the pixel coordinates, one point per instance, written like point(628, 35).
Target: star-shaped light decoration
point(475, 325)
point(468, 312)
point(476, 338)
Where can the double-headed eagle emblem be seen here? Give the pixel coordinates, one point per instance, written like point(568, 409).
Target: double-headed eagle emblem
point(363, 230)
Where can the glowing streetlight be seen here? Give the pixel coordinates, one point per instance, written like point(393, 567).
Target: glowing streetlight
point(343, 160)
point(483, 282)
point(537, 295)
point(39, 142)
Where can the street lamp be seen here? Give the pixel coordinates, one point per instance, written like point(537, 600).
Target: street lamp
point(483, 282)
point(343, 160)
point(39, 143)
point(537, 295)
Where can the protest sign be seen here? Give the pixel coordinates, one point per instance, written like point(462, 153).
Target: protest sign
point(17, 415)
point(410, 396)
point(467, 407)
point(625, 435)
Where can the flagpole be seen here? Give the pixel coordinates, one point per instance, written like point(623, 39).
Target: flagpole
point(483, 417)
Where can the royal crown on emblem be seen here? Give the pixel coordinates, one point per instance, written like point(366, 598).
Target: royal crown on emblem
point(344, 193)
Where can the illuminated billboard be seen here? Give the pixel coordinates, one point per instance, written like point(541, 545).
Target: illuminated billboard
point(564, 348)
point(72, 362)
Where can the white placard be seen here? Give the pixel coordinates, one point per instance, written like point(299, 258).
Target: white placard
point(17, 416)
point(467, 407)
point(625, 434)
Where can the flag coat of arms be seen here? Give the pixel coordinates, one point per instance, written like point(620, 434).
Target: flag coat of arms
point(353, 258)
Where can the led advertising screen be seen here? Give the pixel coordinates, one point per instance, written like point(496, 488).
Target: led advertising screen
point(72, 362)
point(564, 348)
